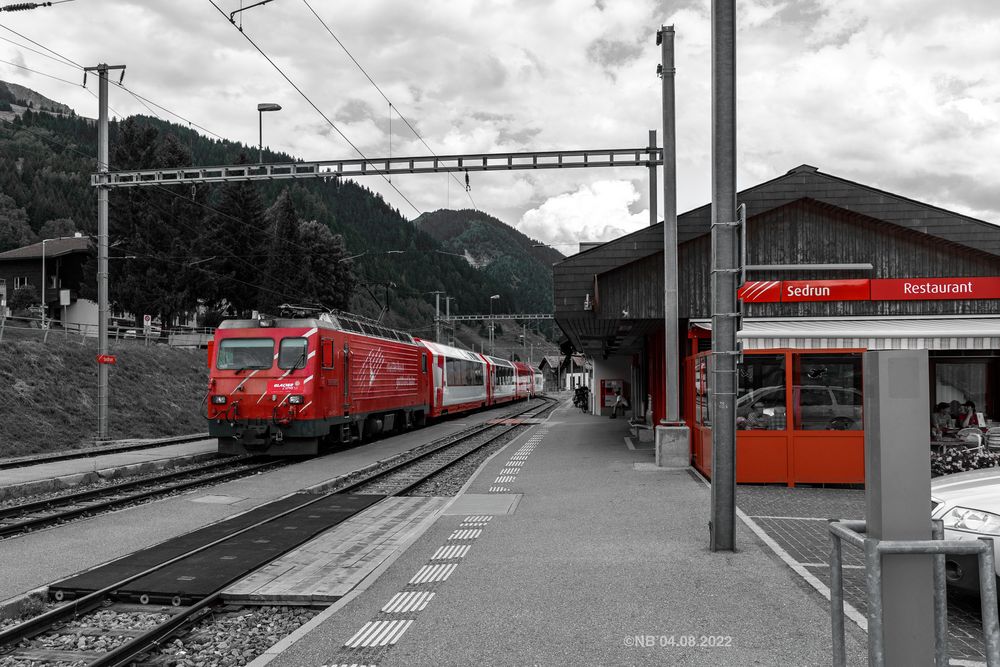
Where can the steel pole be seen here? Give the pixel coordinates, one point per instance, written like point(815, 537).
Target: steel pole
point(260, 130)
point(725, 268)
point(652, 178)
point(437, 317)
point(670, 310)
point(447, 317)
point(43, 282)
point(102, 253)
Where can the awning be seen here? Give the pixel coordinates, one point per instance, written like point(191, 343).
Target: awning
point(900, 333)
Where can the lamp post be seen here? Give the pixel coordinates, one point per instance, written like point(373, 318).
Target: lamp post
point(261, 108)
point(492, 299)
point(44, 241)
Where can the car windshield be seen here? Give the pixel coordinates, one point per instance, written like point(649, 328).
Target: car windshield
point(237, 354)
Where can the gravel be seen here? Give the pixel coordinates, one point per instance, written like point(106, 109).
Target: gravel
point(232, 637)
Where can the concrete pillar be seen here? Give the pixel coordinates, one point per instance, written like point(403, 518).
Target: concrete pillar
point(897, 492)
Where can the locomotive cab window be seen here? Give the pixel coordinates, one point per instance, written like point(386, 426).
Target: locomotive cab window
point(423, 363)
point(240, 354)
point(292, 353)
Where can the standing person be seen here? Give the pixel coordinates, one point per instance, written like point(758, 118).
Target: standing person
point(619, 404)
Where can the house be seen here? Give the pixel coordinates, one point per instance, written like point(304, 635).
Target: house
point(834, 268)
point(55, 268)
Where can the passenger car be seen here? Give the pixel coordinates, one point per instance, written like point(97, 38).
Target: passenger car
point(820, 407)
point(968, 503)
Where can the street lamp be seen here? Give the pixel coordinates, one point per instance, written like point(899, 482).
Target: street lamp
point(492, 299)
point(261, 108)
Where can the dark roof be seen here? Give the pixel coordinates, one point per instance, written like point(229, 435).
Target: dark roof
point(53, 248)
point(574, 275)
point(807, 181)
point(550, 360)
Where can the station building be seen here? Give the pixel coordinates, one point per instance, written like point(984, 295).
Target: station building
point(933, 283)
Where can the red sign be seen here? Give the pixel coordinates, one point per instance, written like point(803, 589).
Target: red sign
point(824, 290)
point(927, 289)
point(760, 291)
point(106, 359)
point(888, 289)
point(286, 386)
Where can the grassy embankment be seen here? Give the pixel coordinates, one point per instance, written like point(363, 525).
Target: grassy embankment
point(48, 393)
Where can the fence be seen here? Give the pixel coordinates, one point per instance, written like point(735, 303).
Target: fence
point(852, 533)
point(33, 328)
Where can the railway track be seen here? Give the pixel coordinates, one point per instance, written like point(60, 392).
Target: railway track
point(17, 519)
point(96, 612)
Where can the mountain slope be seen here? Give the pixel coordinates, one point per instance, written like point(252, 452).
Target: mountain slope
point(500, 251)
point(46, 160)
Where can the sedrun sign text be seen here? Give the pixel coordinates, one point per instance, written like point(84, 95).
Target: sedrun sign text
point(879, 289)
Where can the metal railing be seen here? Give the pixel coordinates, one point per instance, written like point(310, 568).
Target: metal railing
point(874, 549)
point(25, 328)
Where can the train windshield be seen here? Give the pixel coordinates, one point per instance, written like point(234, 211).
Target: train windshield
point(292, 353)
point(240, 354)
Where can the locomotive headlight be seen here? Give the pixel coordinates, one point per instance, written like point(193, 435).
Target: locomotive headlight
point(219, 399)
point(296, 399)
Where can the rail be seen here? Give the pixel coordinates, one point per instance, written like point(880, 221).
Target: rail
point(874, 549)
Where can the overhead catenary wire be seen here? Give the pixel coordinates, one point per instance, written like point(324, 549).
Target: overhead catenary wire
point(392, 107)
point(61, 61)
point(177, 195)
point(316, 108)
point(35, 71)
point(68, 60)
point(141, 99)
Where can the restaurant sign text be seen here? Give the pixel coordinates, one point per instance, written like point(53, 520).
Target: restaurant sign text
point(878, 289)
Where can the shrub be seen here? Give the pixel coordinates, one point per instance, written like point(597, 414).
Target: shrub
point(959, 460)
point(24, 296)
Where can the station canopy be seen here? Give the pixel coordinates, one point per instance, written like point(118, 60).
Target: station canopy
point(897, 333)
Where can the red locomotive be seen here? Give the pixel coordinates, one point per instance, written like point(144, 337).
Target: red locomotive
point(289, 386)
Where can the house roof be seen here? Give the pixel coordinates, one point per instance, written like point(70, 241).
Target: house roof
point(53, 248)
point(804, 181)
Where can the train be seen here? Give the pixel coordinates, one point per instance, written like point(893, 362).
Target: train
point(295, 386)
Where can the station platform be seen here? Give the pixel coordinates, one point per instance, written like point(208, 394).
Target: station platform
point(53, 475)
point(32, 561)
point(571, 547)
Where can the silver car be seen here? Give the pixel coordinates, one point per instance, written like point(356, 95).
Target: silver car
point(968, 503)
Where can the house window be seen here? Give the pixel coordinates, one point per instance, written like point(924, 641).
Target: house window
point(20, 282)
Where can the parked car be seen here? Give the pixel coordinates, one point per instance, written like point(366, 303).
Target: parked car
point(820, 407)
point(968, 503)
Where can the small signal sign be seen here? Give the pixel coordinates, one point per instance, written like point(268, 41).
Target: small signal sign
point(106, 359)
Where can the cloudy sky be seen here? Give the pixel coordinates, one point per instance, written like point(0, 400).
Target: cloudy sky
point(899, 94)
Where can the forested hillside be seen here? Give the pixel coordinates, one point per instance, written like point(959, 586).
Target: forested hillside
point(236, 246)
point(500, 251)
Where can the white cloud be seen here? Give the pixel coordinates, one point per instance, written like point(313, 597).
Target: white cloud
point(596, 211)
point(877, 92)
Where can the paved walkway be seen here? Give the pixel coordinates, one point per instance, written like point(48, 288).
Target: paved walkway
point(44, 477)
point(33, 560)
point(569, 548)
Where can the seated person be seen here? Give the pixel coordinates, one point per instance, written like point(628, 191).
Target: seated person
point(969, 416)
point(756, 419)
point(940, 419)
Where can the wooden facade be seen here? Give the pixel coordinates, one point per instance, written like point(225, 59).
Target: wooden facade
point(614, 291)
point(609, 302)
